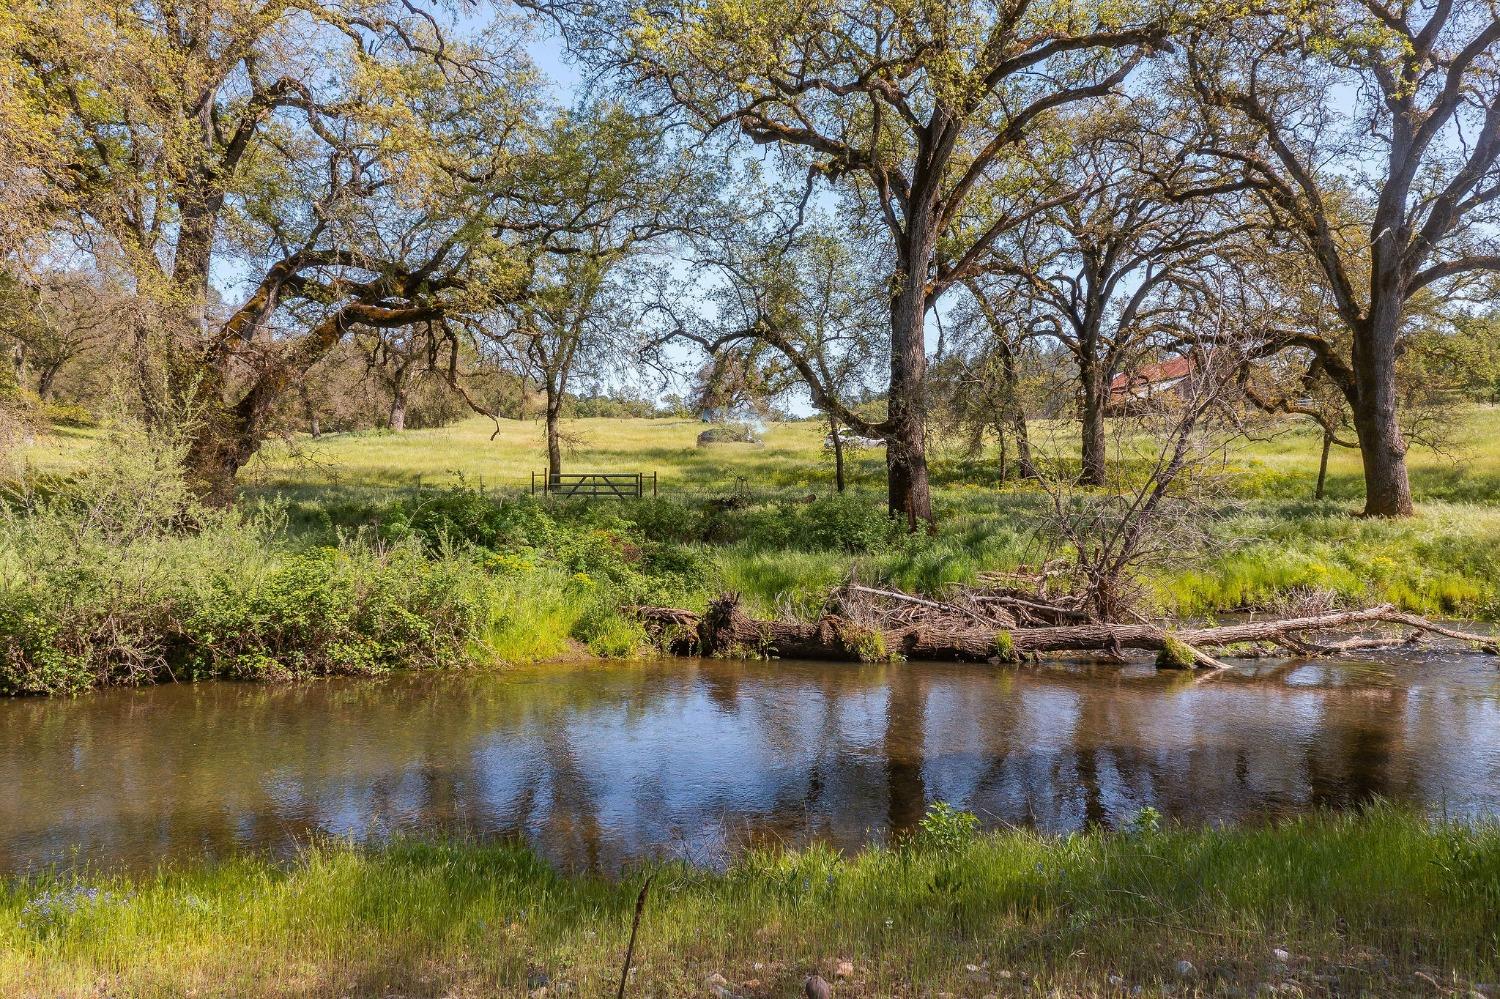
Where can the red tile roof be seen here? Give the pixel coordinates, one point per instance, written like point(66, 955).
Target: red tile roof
point(1152, 374)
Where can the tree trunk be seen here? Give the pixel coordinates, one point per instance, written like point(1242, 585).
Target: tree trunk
point(215, 457)
point(1094, 398)
point(1025, 466)
point(1381, 445)
point(908, 494)
point(1015, 414)
point(45, 379)
point(397, 420)
point(554, 444)
point(1004, 470)
point(838, 453)
point(218, 447)
point(726, 630)
point(1323, 464)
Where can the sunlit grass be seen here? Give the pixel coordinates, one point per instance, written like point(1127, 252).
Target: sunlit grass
point(1270, 539)
point(1371, 900)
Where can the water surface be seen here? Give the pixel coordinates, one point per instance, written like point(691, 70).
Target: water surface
point(600, 765)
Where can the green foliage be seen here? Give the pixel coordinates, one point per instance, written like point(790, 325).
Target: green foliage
point(945, 829)
point(868, 643)
point(102, 572)
point(853, 525)
point(1005, 647)
point(119, 576)
point(66, 414)
point(1146, 822)
point(607, 407)
point(350, 610)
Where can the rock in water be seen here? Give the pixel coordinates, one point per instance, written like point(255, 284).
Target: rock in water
point(817, 988)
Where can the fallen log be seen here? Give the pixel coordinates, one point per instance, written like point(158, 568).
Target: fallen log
point(725, 630)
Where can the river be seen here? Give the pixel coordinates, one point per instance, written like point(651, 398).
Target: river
point(600, 765)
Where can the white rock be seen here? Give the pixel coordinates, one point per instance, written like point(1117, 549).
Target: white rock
point(1185, 969)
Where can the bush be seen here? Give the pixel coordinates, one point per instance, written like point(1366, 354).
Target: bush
point(732, 433)
point(945, 829)
point(120, 577)
point(830, 523)
point(351, 610)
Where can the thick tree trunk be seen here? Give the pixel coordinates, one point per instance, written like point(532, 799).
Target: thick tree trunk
point(215, 457)
point(908, 494)
point(1381, 445)
point(838, 453)
point(725, 630)
point(1094, 398)
point(220, 443)
point(45, 379)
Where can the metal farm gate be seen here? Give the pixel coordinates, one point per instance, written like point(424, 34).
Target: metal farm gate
point(594, 485)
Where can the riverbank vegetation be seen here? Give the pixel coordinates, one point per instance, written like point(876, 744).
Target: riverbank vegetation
point(114, 573)
point(1378, 903)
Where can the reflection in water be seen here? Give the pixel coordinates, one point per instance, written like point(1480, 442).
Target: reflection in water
point(601, 765)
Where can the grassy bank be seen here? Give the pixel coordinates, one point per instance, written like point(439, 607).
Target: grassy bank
point(1378, 904)
point(339, 562)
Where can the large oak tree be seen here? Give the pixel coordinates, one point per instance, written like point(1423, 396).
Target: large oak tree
point(1371, 132)
point(335, 165)
point(910, 108)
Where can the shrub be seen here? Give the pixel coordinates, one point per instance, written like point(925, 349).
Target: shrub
point(120, 577)
point(731, 433)
point(350, 610)
point(945, 829)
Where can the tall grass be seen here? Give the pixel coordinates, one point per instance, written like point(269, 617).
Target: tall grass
point(118, 576)
point(1355, 904)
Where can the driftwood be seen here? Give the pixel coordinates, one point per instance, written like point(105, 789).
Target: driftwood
point(726, 630)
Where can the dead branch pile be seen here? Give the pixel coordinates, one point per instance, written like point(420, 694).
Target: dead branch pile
point(866, 624)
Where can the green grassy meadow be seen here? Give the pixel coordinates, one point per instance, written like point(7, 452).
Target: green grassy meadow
point(1282, 466)
point(1271, 538)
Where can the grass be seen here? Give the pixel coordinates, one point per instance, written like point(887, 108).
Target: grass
point(1281, 467)
point(1380, 903)
point(1272, 539)
point(82, 605)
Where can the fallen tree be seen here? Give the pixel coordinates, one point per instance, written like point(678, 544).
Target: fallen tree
point(725, 630)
